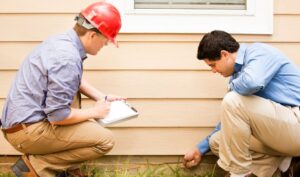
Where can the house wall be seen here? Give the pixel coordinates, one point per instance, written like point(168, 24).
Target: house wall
point(177, 96)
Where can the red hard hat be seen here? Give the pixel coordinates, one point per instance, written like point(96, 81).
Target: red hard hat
point(105, 17)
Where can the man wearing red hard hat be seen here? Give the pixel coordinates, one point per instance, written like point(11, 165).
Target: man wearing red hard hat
point(38, 118)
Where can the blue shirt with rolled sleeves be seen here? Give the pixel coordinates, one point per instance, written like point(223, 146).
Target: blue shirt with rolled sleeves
point(262, 70)
point(46, 83)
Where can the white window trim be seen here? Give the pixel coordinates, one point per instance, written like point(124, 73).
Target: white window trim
point(257, 19)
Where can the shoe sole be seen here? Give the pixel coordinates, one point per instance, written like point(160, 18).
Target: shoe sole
point(32, 172)
point(16, 168)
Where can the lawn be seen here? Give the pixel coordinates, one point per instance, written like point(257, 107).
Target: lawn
point(163, 170)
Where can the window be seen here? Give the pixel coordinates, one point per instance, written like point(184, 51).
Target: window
point(196, 16)
point(190, 4)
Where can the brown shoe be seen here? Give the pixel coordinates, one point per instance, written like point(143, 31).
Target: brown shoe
point(294, 169)
point(23, 168)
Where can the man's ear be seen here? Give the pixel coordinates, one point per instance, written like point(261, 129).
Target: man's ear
point(90, 34)
point(224, 53)
point(93, 34)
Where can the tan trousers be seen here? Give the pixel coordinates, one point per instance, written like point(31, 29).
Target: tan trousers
point(250, 125)
point(54, 149)
point(263, 163)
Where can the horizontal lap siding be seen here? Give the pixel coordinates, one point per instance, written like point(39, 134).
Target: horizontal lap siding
point(169, 112)
point(73, 6)
point(34, 27)
point(147, 84)
point(134, 55)
point(176, 95)
point(145, 141)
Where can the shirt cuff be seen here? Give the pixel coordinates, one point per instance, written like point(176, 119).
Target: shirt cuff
point(203, 146)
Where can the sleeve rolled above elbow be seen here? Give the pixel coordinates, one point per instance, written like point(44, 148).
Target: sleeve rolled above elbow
point(59, 114)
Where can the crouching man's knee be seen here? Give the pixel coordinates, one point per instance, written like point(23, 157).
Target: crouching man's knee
point(106, 142)
point(231, 100)
point(214, 143)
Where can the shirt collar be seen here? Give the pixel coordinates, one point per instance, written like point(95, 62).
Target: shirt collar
point(239, 61)
point(75, 38)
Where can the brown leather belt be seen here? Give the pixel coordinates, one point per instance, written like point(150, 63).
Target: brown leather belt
point(16, 128)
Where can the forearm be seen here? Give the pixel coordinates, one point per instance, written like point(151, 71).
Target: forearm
point(76, 116)
point(90, 91)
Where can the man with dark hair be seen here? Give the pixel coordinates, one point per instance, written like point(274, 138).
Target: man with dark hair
point(260, 117)
point(38, 118)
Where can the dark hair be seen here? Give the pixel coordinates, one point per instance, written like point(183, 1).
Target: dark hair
point(212, 43)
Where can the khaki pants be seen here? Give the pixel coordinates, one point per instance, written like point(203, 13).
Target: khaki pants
point(57, 148)
point(250, 125)
point(263, 163)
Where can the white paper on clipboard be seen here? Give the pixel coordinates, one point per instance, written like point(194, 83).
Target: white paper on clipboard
point(119, 111)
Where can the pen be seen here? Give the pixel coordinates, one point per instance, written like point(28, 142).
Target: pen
point(134, 109)
point(131, 107)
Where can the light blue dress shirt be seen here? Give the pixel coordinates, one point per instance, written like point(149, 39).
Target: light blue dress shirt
point(262, 70)
point(46, 83)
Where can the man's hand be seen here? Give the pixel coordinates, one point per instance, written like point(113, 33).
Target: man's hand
point(192, 158)
point(101, 109)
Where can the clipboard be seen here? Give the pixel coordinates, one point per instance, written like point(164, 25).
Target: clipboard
point(119, 111)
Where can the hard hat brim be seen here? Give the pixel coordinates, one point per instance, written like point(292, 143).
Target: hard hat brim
point(115, 42)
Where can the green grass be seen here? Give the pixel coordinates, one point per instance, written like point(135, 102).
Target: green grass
point(9, 174)
point(147, 171)
point(126, 169)
point(161, 170)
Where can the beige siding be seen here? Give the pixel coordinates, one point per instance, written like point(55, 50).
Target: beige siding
point(36, 28)
point(176, 95)
point(73, 6)
point(145, 55)
point(169, 112)
point(143, 141)
point(147, 84)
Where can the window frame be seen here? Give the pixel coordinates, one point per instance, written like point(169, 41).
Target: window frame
point(256, 19)
point(188, 4)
